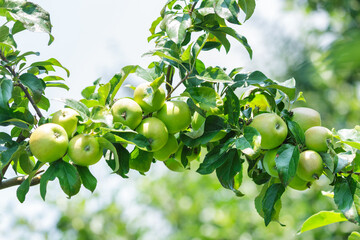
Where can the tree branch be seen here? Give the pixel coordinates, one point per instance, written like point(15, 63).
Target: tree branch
point(182, 80)
point(25, 90)
point(18, 180)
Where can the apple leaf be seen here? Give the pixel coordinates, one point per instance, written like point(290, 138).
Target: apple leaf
point(347, 197)
point(214, 75)
point(232, 107)
point(272, 195)
point(35, 84)
point(7, 153)
point(286, 162)
point(51, 62)
point(81, 108)
point(87, 179)
point(22, 190)
point(6, 88)
point(118, 79)
point(228, 9)
point(49, 175)
point(128, 136)
point(249, 143)
point(104, 91)
point(226, 173)
point(296, 131)
point(321, 219)
point(248, 6)
point(69, 178)
point(104, 143)
point(176, 27)
point(140, 160)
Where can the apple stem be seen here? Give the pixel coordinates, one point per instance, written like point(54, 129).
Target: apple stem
point(315, 176)
point(123, 115)
point(182, 80)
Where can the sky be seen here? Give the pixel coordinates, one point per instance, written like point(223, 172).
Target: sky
point(96, 39)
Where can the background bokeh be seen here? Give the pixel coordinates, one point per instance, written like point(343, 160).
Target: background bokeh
point(316, 42)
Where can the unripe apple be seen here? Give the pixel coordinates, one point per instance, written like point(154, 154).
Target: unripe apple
point(269, 162)
point(155, 131)
point(306, 117)
point(316, 138)
point(272, 128)
point(127, 112)
point(170, 148)
point(298, 184)
point(310, 166)
point(84, 150)
point(260, 102)
point(67, 118)
point(49, 142)
point(176, 115)
point(148, 100)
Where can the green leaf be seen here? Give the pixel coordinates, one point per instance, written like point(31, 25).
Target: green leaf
point(6, 155)
point(69, 178)
point(176, 27)
point(214, 75)
point(228, 9)
point(248, 6)
point(32, 16)
point(163, 55)
point(104, 143)
point(206, 97)
point(88, 92)
point(44, 103)
point(18, 27)
point(347, 197)
point(154, 25)
point(57, 85)
point(249, 143)
point(49, 175)
point(226, 173)
point(272, 195)
point(296, 131)
point(117, 80)
point(128, 136)
point(286, 162)
point(321, 219)
point(4, 33)
point(232, 107)
point(124, 158)
point(79, 107)
point(51, 62)
point(23, 189)
point(343, 159)
point(140, 160)
point(35, 84)
point(237, 36)
point(87, 179)
point(221, 36)
point(104, 92)
point(6, 88)
point(52, 78)
point(4, 138)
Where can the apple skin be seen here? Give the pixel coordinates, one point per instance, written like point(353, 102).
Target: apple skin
point(67, 118)
point(306, 117)
point(170, 147)
point(49, 142)
point(174, 165)
point(269, 163)
point(310, 166)
point(272, 128)
point(155, 131)
point(316, 137)
point(260, 102)
point(127, 112)
point(141, 92)
point(298, 184)
point(176, 115)
point(84, 150)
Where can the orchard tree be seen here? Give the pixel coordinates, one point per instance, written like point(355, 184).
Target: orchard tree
point(229, 122)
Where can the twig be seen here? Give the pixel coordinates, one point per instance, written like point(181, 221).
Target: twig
point(169, 78)
point(18, 180)
point(25, 90)
point(182, 80)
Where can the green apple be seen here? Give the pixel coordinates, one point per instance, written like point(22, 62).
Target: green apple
point(176, 115)
point(84, 150)
point(127, 112)
point(49, 142)
point(194, 154)
point(155, 131)
point(272, 128)
point(298, 184)
point(148, 100)
point(260, 102)
point(316, 137)
point(269, 163)
point(67, 118)
point(310, 166)
point(174, 165)
point(170, 148)
point(306, 117)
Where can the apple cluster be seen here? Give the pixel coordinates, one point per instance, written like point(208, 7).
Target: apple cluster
point(160, 121)
point(52, 141)
point(274, 131)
